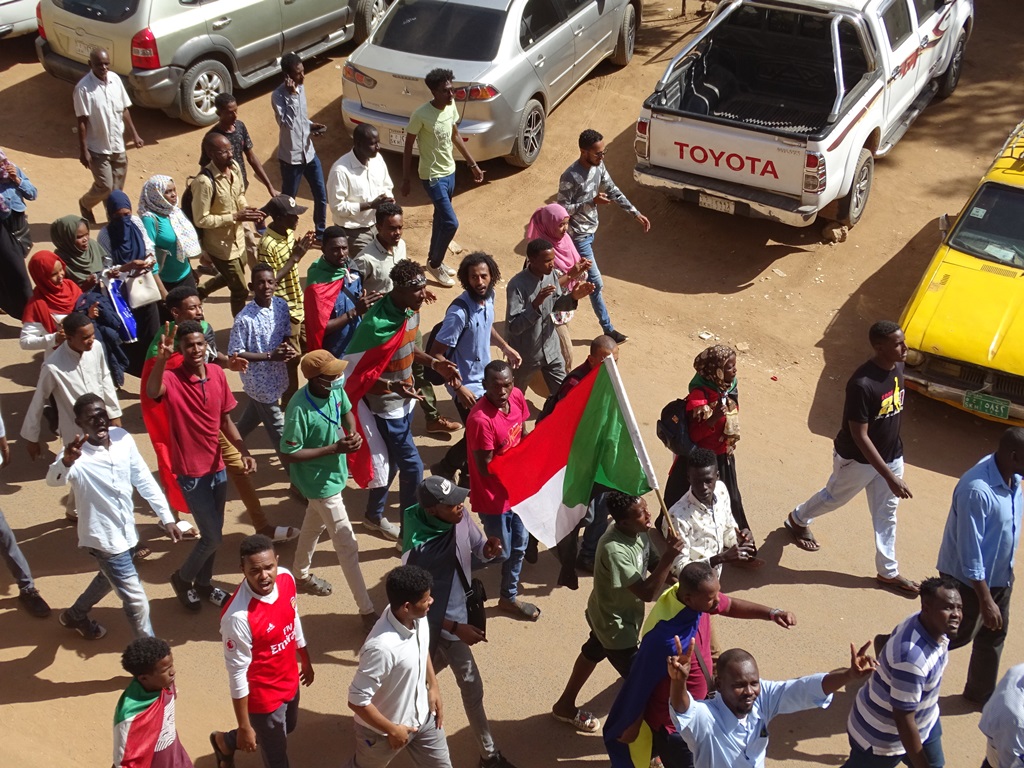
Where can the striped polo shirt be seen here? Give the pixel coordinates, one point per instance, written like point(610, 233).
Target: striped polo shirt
point(907, 678)
point(390, 405)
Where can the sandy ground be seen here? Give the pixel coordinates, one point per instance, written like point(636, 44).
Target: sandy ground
point(802, 309)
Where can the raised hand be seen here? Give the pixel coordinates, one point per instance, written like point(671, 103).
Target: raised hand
point(861, 665)
point(166, 347)
point(73, 450)
point(679, 664)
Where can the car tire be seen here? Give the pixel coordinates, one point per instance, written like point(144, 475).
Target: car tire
point(202, 83)
point(530, 136)
point(949, 79)
point(851, 207)
point(368, 15)
point(627, 37)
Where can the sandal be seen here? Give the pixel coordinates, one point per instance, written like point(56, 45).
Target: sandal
point(521, 607)
point(581, 721)
point(223, 760)
point(314, 585)
point(141, 552)
point(283, 533)
point(802, 535)
point(899, 584)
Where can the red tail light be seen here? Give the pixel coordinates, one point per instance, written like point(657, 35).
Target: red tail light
point(641, 127)
point(144, 52)
point(359, 78)
point(39, 20)
point(475, 93)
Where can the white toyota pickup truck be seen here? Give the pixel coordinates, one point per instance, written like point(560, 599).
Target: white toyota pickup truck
point(778, 108)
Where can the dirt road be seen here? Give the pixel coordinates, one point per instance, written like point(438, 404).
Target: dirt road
point(801, 309)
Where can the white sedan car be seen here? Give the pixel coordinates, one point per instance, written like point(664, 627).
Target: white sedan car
point(17, 17)
point(513, 61)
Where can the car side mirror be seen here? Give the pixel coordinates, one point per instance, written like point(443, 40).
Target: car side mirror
point(944, 224)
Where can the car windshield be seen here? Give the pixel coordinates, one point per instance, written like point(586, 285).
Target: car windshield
point(110, 11)
point(441, 30)
point(992, 226)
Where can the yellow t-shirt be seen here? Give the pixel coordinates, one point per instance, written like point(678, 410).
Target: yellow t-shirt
point(433, 130)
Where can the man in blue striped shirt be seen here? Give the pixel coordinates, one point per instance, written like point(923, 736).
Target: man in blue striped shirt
point(895, 717)
point(978, 547)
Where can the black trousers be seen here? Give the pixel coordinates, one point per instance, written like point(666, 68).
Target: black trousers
point(983, 670)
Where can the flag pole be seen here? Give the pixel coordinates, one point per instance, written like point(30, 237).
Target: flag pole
point(635, 436)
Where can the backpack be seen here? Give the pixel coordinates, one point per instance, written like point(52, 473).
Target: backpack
point(186, 199)
point(429, 373)
point(673, 428)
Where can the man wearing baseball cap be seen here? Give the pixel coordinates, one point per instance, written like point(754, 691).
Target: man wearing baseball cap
point(282, 251)
point(439, 513)
point(318, 431)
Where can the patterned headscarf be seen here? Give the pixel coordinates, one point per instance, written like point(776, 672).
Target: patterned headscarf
point(710, 365)
point(153, 203)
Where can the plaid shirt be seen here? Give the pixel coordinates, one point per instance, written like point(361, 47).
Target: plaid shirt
point(276, 249)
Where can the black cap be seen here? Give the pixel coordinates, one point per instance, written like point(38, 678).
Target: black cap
point(436, 490)
point(283, 205)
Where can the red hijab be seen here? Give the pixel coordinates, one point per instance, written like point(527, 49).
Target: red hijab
point(49, 299)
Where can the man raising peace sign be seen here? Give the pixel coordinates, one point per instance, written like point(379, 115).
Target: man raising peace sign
point(102, 465)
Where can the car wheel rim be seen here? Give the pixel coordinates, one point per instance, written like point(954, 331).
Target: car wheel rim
point(631, 36)
point(533, 133)
point(207, 86)
point(377, 12)
point(860, 194)
point(957, 62)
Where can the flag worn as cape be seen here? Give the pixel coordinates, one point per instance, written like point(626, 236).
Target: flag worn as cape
point(140, 721)
point(668, 618)
point(590, 437)
point(323, 284)
point(374, 343)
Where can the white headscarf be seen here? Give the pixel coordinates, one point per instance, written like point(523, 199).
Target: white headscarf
point(153, 202)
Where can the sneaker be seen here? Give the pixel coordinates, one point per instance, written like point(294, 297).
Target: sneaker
point(213, 594)
point(443, 425)
point(442, 277)
point(448, 270)
point(497, 760)
point(87, 628)
point(385, 527)
point(314, 585)
point(618, 338)
point(186, 593)
point(34, 603)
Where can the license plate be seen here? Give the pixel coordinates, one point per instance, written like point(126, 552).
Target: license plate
point(979, 402)
point(83, 48)
point(396, 138)
point(716, 203)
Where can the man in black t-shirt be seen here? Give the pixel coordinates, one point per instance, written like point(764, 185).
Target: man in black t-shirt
point(868, 454)
point(234, 129)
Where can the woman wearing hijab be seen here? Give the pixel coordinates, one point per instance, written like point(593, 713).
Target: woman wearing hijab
point(125, 239)
point(551, 223)
point(83, 257)
point(170, 230)
point(54, 297)
point(713, 422)
point(15, 237)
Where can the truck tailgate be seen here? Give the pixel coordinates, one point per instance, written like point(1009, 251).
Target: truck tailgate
point(726, 152)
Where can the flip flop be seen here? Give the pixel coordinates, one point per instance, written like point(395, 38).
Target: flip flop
point(142, 552)
point(284, 533)
point(223, 760)
point(804, 539)
point(581, 721)
point(521, 607)
point(899, 583)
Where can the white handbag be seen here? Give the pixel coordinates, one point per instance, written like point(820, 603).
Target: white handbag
point(142, 290)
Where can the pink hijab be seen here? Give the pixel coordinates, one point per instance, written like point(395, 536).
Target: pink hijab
point(544, 223)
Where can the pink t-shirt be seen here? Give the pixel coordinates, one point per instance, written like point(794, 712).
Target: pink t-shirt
point(194, 410)
point(488, 429)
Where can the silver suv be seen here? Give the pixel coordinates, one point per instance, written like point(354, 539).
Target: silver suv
point(177, 55)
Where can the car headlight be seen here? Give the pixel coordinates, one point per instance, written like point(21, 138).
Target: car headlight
point(915, 358)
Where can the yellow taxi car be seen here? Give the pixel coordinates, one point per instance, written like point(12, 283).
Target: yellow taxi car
point(964, 324)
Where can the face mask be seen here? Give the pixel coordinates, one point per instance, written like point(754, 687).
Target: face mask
point(338, 383)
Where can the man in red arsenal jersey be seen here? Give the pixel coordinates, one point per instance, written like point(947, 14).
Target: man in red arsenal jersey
point(262, 637)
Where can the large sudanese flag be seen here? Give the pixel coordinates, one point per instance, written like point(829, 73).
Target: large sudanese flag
point(374, 343)
point(590, 437)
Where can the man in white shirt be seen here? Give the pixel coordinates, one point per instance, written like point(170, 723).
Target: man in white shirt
point(103, 467)
point(1002, 722)
point(77, 367)
point(357, 185)
point(101, 106)
point(704, 521)
point(394, 694)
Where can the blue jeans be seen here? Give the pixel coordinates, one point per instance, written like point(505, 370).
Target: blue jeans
point(585, 245)
point(205, 497)
point(445, 223)
point(509, 529)
point(860, 758)
point(117, 573)
point(403, 460)
point(314, 175)
point(11, 554)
